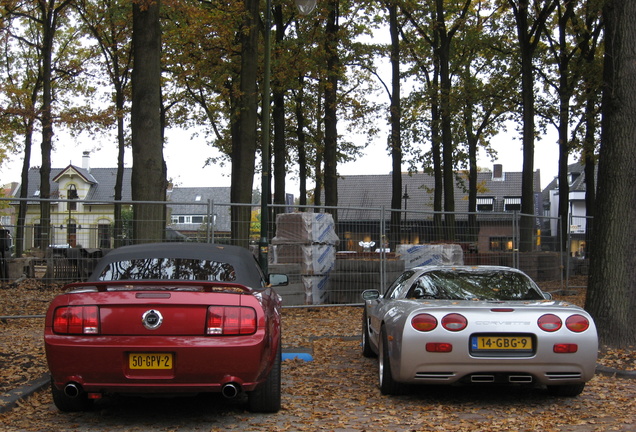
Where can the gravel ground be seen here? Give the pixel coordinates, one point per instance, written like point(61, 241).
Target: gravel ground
point(336, 391)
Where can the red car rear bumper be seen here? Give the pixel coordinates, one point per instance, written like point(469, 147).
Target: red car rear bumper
point(100, 364)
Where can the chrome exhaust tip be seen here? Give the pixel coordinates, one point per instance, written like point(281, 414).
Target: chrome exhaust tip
point(72, 390)
point(482, 378)
point(230, 390)
point(523, 379)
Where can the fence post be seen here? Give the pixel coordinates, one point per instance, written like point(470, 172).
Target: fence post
point(210, 218)
point(382, 251)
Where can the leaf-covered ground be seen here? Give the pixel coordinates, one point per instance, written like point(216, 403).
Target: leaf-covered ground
point(337, 391)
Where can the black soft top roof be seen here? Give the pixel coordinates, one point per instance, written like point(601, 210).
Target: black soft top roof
point(248, 272)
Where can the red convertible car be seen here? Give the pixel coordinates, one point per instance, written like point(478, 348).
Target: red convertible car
point(168, 319)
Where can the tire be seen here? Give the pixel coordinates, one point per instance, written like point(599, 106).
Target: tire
point(266, 398)
point(367, 351)
point(70, 404)
point(388, 386)
point(566, 390)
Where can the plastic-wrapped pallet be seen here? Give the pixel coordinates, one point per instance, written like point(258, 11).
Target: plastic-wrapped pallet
point(307, 239)
point(314, 259)
point(305, 228)
point(316, 289)
point(434, 254)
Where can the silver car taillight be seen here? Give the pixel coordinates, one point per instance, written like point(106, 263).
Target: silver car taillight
point(424, 322)
point(549, 323)
point(454, 322)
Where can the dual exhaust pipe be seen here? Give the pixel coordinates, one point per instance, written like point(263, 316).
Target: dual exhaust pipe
point(513, 379)
point(229, 390)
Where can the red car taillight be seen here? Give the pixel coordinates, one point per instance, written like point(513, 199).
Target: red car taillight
point(76, 320)
point(577, 323)
point(549, 323)
point(565, 348)
point(231, 320)
point(424, 322)
point(441, 347)
point(454, 322)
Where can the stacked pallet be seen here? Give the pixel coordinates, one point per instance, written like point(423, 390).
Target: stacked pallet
point(309, 241)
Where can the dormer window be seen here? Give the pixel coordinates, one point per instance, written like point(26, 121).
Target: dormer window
point(573, 177)
point(197, 198)
point(512, 204)
point(485, 204)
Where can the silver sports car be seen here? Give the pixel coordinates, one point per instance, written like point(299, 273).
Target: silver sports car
point(483, 324)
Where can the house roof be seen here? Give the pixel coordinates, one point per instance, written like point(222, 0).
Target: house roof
point(185, 197)
point(576, 176)
point(374, 191)
point(101, 180)
point(199, 201)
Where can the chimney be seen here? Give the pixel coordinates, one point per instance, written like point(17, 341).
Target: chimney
point(497, 172)
point(86, 158)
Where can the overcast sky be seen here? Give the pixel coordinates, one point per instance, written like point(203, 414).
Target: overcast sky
point(185, 157)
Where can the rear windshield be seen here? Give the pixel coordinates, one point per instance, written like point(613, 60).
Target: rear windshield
point(495, 285)
point(169, 268)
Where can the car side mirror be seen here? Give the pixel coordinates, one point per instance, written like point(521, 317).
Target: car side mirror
point(370, 294)
point(278, 279)
point(547, 296)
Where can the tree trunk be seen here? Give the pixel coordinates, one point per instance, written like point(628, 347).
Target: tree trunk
point(448, 165)
point(148, 181)
point(301, 136)
point(244, 141)
point(526, 224)
point(119, 181)
point(331, 116)
point(472, 141)
point(396, 142)
point(48, 31)
point(278, 116)
point(24, 187)
point(436, 145)
point(565, 94)
point(611, 296)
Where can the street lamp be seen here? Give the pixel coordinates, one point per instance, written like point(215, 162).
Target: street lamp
point(304, 7)
point(405, 197)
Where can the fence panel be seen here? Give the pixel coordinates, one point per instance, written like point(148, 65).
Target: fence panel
point(331, 255)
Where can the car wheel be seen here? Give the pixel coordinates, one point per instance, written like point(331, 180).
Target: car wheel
point(388, 386)
point(65, 403)
point(566, 390)
point(266, 398)
point(367, 351)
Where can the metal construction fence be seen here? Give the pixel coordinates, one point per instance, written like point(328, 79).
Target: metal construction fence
point(331, 255)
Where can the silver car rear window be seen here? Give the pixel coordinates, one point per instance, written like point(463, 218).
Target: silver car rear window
point(458, 285)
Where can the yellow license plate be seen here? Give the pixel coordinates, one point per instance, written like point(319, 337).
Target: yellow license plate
point(502, 343)
point(150, 361)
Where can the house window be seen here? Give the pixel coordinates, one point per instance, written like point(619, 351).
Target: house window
point(71, 234)
point(485, 204)
point(41, 237)
point(103, 236)
point(512, 204)
point(500, 244)
point(72, 195)
point(197, 219)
